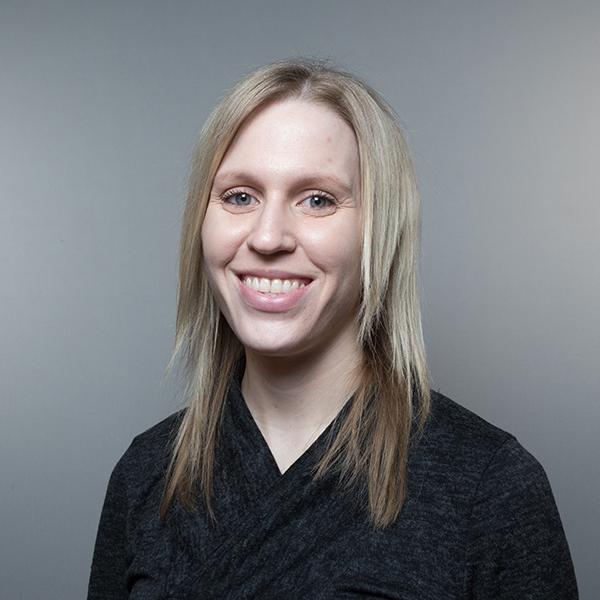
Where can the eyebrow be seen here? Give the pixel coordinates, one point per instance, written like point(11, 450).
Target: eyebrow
point(305, 180)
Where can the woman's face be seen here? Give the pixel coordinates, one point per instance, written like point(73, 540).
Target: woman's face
point(282, 237)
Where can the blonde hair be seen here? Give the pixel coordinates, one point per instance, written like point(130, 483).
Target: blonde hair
point(392, 393)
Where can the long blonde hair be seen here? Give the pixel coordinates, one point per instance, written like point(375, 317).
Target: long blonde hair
point(392, 393)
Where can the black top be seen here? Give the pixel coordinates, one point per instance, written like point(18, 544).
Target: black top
point(480, 522)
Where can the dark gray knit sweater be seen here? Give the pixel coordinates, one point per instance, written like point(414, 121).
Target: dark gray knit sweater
point(480, 522)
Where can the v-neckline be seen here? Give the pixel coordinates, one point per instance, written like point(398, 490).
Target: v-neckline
point(244, 417)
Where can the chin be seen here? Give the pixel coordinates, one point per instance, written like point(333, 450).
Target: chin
point(270, 336)
point(275, 349)
point(273, 343)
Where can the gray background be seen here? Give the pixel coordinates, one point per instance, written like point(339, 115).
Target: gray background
point(100, 106)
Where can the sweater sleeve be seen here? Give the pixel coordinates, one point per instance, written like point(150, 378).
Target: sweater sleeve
point(109, 564)
point(517, 546)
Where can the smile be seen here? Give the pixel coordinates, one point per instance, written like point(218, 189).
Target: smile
point(272, 286)
point(273, 295)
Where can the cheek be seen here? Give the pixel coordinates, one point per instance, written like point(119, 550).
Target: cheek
point(338, 252)
point(220, 240)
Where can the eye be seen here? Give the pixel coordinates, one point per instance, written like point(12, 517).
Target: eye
point(237, 198)
point(320, 202)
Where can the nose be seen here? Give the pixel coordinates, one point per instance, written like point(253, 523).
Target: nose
point(273, 229)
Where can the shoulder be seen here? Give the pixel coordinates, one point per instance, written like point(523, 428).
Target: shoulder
point(456, 423)
point(153, 440)
point(466, 446)
point(145, 460)
point(455, 428)
point(498, 494)
point(485, 475)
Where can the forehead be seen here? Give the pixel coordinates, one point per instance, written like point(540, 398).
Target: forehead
point(294, 138)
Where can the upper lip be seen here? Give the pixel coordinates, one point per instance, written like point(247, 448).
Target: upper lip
point(271, 274)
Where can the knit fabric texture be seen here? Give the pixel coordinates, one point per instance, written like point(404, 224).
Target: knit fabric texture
point(480, 522)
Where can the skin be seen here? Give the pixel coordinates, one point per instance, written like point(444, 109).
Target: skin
point(299, 361)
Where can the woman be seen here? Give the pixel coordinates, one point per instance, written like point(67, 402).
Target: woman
point(313, 460)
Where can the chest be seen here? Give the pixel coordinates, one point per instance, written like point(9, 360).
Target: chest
point(299, 544)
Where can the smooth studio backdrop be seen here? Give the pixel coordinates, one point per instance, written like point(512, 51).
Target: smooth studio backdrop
point(100, 106)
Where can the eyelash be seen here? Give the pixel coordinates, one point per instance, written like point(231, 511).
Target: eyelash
point(316, 193)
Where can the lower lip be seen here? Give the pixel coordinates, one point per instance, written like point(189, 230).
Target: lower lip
point(272, 302)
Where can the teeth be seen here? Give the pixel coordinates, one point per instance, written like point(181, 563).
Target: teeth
point(272, 286)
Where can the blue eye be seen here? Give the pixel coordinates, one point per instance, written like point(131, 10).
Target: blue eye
point(320, 201)
point(239, 198)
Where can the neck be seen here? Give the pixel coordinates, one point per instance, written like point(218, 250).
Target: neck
point(300, 393)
